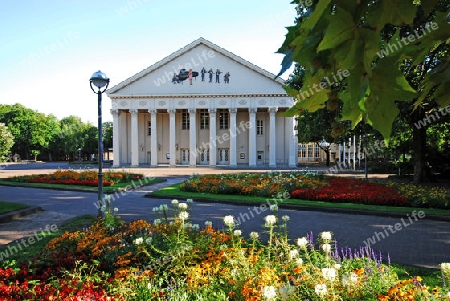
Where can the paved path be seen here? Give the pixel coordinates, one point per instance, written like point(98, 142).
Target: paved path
point(420, 242)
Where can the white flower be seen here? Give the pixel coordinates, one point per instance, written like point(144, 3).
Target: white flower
point(270, 220)
point(138, 241)
point(182, 206)
point(326, 235)
point(329, 274)
point(183, 215)
point(285, 218)
point(155, 209)
point(228, 220)
point(237, 232)
point(208, 223)
point(269, 293)
point(116, 209)
point(321, 289)
point(254, 235)
point(445, 266)
point(302, 242)
point(174, 202)
point(148, 240)
point(103, 208)
point(299, 261)
point(293, 254)
point(274, 207)
point(157, 221)
point(195, 227)
point(189, 201)
point(326, 248)
point(337, 266)
point(163, 207)
point(149, 285)
point(349, 278)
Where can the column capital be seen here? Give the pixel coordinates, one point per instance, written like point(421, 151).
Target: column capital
point(233, 111)
point(115, 112)
point(171, 111)
point(252, 110)
point(134, 112)
point(192, 111)
point(153, 111)
point(212, 110)
point(273, 110)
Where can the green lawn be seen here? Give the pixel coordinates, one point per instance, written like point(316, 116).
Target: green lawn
point(6, 207)
point(175, 192)
point(106, 189)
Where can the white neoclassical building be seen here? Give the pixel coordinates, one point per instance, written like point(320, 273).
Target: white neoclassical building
point(202, 105)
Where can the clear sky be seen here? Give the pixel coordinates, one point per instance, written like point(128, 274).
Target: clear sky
point(49, 49)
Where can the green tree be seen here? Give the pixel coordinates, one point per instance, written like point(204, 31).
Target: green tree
point(361, 47)
point(69, 138)
point(31, 130)
point(107, 134)
point(6, 142)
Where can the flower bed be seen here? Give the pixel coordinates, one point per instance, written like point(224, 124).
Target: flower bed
point(308, 186)
point(353, 191)
point(83, 178)
point(173, 259)
point(253, 184)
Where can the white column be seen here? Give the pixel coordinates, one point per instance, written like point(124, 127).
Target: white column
point(134, 137)
point(354, 152)
point(233, 126)
point(153, 138)
point(212, 138)
point(192, 138)
point(344, 153)
point(172, 137)
point(116, 141)
point(293, 143)
point(252, 138)
point(272, 138)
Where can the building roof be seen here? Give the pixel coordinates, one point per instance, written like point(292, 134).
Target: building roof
point(184, 50)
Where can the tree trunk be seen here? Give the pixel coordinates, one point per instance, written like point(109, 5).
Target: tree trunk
point(419, 147)
point(327, 152)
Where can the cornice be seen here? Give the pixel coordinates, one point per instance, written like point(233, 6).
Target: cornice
point(197, 96)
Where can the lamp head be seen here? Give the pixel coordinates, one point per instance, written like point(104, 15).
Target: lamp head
point(99, 79)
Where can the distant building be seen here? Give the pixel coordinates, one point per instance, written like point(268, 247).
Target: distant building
point(175, 113)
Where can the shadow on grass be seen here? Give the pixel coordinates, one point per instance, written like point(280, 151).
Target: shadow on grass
point(9, 258)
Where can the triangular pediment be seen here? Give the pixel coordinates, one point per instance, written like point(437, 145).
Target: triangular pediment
point(159, 79)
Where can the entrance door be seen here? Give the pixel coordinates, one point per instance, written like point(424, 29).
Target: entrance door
point(204, 156)
point(224, 157)
point(260, 157)
point(184, 156)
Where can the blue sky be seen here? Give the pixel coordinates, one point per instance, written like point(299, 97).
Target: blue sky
point(49, 49)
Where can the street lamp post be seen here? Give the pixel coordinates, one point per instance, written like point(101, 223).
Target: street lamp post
point(101, 81)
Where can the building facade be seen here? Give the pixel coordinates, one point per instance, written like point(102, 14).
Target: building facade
point(202, 105)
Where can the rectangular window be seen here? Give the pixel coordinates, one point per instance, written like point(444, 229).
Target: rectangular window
point(149, 126)
point(223, 119)
point(302, 151)
point(316, 151)
point(185, 125)
point(259, 127)
point(204, 119)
